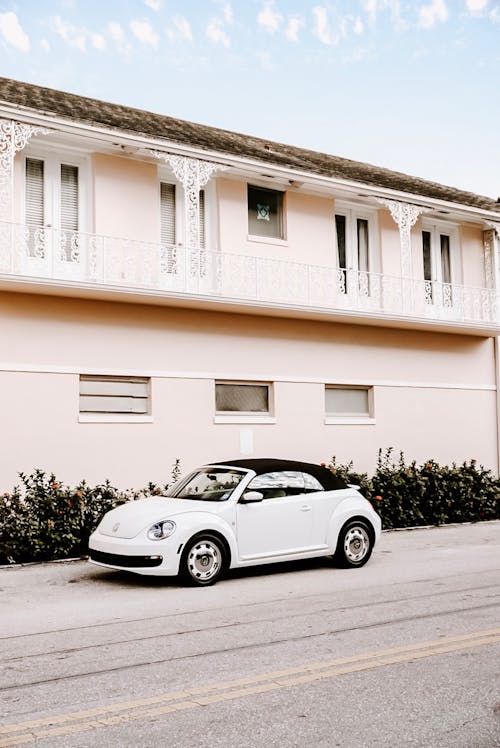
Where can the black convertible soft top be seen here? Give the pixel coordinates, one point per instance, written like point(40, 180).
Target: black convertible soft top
point(328, 480)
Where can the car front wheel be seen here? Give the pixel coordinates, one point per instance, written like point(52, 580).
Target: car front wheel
point(355, 544)
point(202, 561)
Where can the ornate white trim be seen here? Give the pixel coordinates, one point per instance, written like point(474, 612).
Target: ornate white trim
point(14, 136)
point(405, 215)
point(193, 174)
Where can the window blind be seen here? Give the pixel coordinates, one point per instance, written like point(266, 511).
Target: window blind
point(69, 197)
point(202, 219)
point(34, 192)
point(167, 213)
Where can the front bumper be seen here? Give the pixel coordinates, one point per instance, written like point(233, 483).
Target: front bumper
point(160, 558)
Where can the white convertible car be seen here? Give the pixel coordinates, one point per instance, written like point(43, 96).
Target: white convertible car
point(236, 514)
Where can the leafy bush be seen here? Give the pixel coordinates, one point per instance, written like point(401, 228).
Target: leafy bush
point(408, 495)
point(42, 519)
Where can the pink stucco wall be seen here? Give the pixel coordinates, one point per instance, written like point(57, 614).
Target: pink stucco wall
point(126, 198)
point(431, 390)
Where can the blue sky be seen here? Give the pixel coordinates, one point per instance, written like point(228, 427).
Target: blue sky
point(412, 86)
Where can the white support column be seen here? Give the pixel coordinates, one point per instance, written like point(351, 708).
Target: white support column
point(405, 215)
point(193, 174)
point(14, 136)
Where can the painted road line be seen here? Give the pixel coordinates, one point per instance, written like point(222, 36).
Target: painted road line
point(239, 693)
point(304, 674)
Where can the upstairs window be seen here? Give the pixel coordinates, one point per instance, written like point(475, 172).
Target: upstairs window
point(439, 257)
point(265, 213)
point(354, 247)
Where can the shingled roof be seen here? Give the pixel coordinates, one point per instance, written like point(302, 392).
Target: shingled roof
point(136, 121)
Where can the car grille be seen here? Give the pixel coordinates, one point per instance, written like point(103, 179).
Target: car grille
point(115, 559)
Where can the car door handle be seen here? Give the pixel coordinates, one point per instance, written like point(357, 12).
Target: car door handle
point(305, 508)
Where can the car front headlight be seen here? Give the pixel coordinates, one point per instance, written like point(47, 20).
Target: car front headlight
point(161, 530)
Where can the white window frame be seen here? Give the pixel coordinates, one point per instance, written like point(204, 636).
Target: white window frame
point(362, 419)
point(53, 158)
point(279, 241)
point(353, 211)
point(84, 417)
point(246, 416)
point(436, 228)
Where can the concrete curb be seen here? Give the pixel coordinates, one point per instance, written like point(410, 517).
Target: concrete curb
point(394, 529)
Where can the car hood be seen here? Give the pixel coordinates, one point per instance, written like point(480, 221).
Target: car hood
point(127, 520)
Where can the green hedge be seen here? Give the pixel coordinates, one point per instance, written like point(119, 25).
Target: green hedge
point(408, 495)
point(42, 519)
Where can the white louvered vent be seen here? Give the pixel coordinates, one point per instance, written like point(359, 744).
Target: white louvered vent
point(114, 394)
point(34, 192)
point(167, 213)
point(69, 197)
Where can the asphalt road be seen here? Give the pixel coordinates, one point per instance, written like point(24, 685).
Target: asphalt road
point(404, 652)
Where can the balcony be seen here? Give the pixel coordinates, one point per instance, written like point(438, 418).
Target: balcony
point(75, 263)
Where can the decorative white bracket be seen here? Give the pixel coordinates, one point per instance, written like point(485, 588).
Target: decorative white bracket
point(405, 215)
point(193, 174)
point(14, 136)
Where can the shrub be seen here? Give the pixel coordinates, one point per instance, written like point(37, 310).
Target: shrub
point(42, 519)
point(407, 495)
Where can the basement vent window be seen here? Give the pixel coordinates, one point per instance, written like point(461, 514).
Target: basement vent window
point(238, 402)
point(349, 404)
point(112, 398)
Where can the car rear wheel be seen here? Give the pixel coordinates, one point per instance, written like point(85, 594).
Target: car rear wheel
point(203, 561)
point(355, 544)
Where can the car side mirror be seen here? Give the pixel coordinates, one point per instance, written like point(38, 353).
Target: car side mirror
point(250, 496)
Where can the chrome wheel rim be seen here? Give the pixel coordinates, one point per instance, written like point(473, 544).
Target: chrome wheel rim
point(204, 560)
point(356, 544)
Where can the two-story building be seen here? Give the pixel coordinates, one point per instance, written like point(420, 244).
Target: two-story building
point(169, 290)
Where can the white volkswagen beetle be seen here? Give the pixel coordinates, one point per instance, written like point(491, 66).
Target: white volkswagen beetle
point(236, 514)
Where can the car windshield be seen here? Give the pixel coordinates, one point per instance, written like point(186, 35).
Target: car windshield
point(208, 484)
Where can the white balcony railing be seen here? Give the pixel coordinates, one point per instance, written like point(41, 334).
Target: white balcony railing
point(78, 258)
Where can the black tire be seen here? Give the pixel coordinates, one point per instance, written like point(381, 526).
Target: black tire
point(203, 561)
point(354, 545)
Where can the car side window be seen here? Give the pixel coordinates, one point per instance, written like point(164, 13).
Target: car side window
point(278, 484)
point(312, 484)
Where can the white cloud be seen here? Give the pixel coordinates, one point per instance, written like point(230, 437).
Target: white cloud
point(144, 32)
point(292, 29)
point(494, 15)
point(181, 31)
point(45, 45)
point(269, 18)
point(153, 4)
point(13, 33)
point(429, 15)
point(322, 27)
point(370, 7)
point(228, 13)
point(216, 33)
point(476, 6)
point(74, 36)
point(98, 41)
point(358, 26)
point(117, 34)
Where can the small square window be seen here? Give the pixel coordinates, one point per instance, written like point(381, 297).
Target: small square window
point(348, 403)
point(251, 399)
point(265, 212)
point(114, 395)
